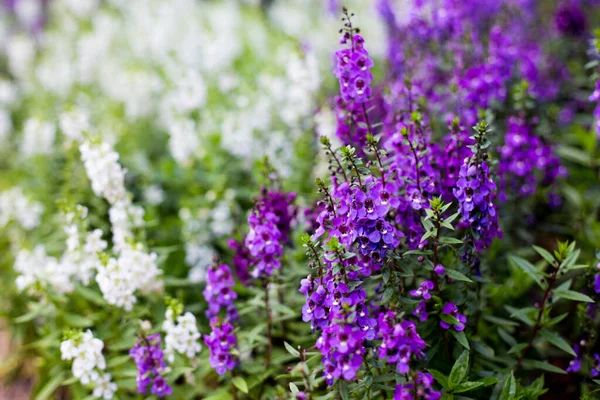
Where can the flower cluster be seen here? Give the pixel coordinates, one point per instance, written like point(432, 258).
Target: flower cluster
point(420, 389)
point(150, 363)
point(475, 191)
point(221, 342)
point(119, 278)
point(525, 161)
point(15, 206)
point(269, 224)
point(353, 68)
point(219, 293)
point(181, 335)
point(399, 341)
point(88, 363)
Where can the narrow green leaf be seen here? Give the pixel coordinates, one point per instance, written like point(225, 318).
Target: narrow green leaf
point(50, 387)
point(510, 388)
point(499, 321)
point(461, 338)
point(543, 365)
point(291, 350)
point(449, 240)
point(572, 295)
point(293, 388)
point(343, 387)
point(467, 386)
point(459, 370)
point(545, 254)
point(556, 340)
point(439, 377)
point(529, 269)
point(240, 383)
point(457, 276)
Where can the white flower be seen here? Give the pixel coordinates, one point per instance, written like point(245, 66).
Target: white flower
point(120, 278)
point(103, 168)
point(21, 52)
point(89, 363)
point(74, 123)
point(181, 336)
point(38, 137)
point(154, 195)
point(15, 206)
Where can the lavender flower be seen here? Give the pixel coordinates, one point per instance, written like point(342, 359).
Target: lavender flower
point(460, 320)
point(595, 370)
point(399, 341)
point(353, 68)
point(575, 364)
point(219, 293)
point(263, 242)
point(422, 388)
point(221, 342)
point(149, 360)
point(475, 192)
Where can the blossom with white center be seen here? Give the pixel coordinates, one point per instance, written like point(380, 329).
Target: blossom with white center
point(88, 363)
point(182, 335)
point(38, 137)
point(184, 140)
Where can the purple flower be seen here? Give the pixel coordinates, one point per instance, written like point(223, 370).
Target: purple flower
point(352, 70)
point(422, 386)
point(399, 341)
point(597, 283)
point(569, 19)
point(451, 309)
point(423, 290)
point(221, 342)
point(219, 293)
point(439, 269)
point(263, 241)
point(150, 363)
point(595, 371)
point(575, 364)
point(421, 311)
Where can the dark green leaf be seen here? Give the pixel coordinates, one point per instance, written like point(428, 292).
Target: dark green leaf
point(572, 295)
point(556, 340)
point(439, 377)
point(543, 365)
point(459, 370)
point(457, 276)
point(291, 350)
point(467, 386)
point(510, 388)
point(529, 269)
point(461, 338)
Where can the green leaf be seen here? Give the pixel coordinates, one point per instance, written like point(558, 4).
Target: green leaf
point(572, 295)
point(510, 388)
point(490, 380)
point(343, 387)
point(449, 240)
point(522, 314)
point(293, 388)
point(459, 370)
point(556, 340)
point(461, 338)
point(545, 254)
point(499, 321)
point(240, 383)
point(575, 155)
point(291, 350)
point(78, 321)
point(91, 295)
point(439, 377)
point(457, 276)
point(543, 365)
point(50, 387)
point(467, 386)
point(529, 269)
